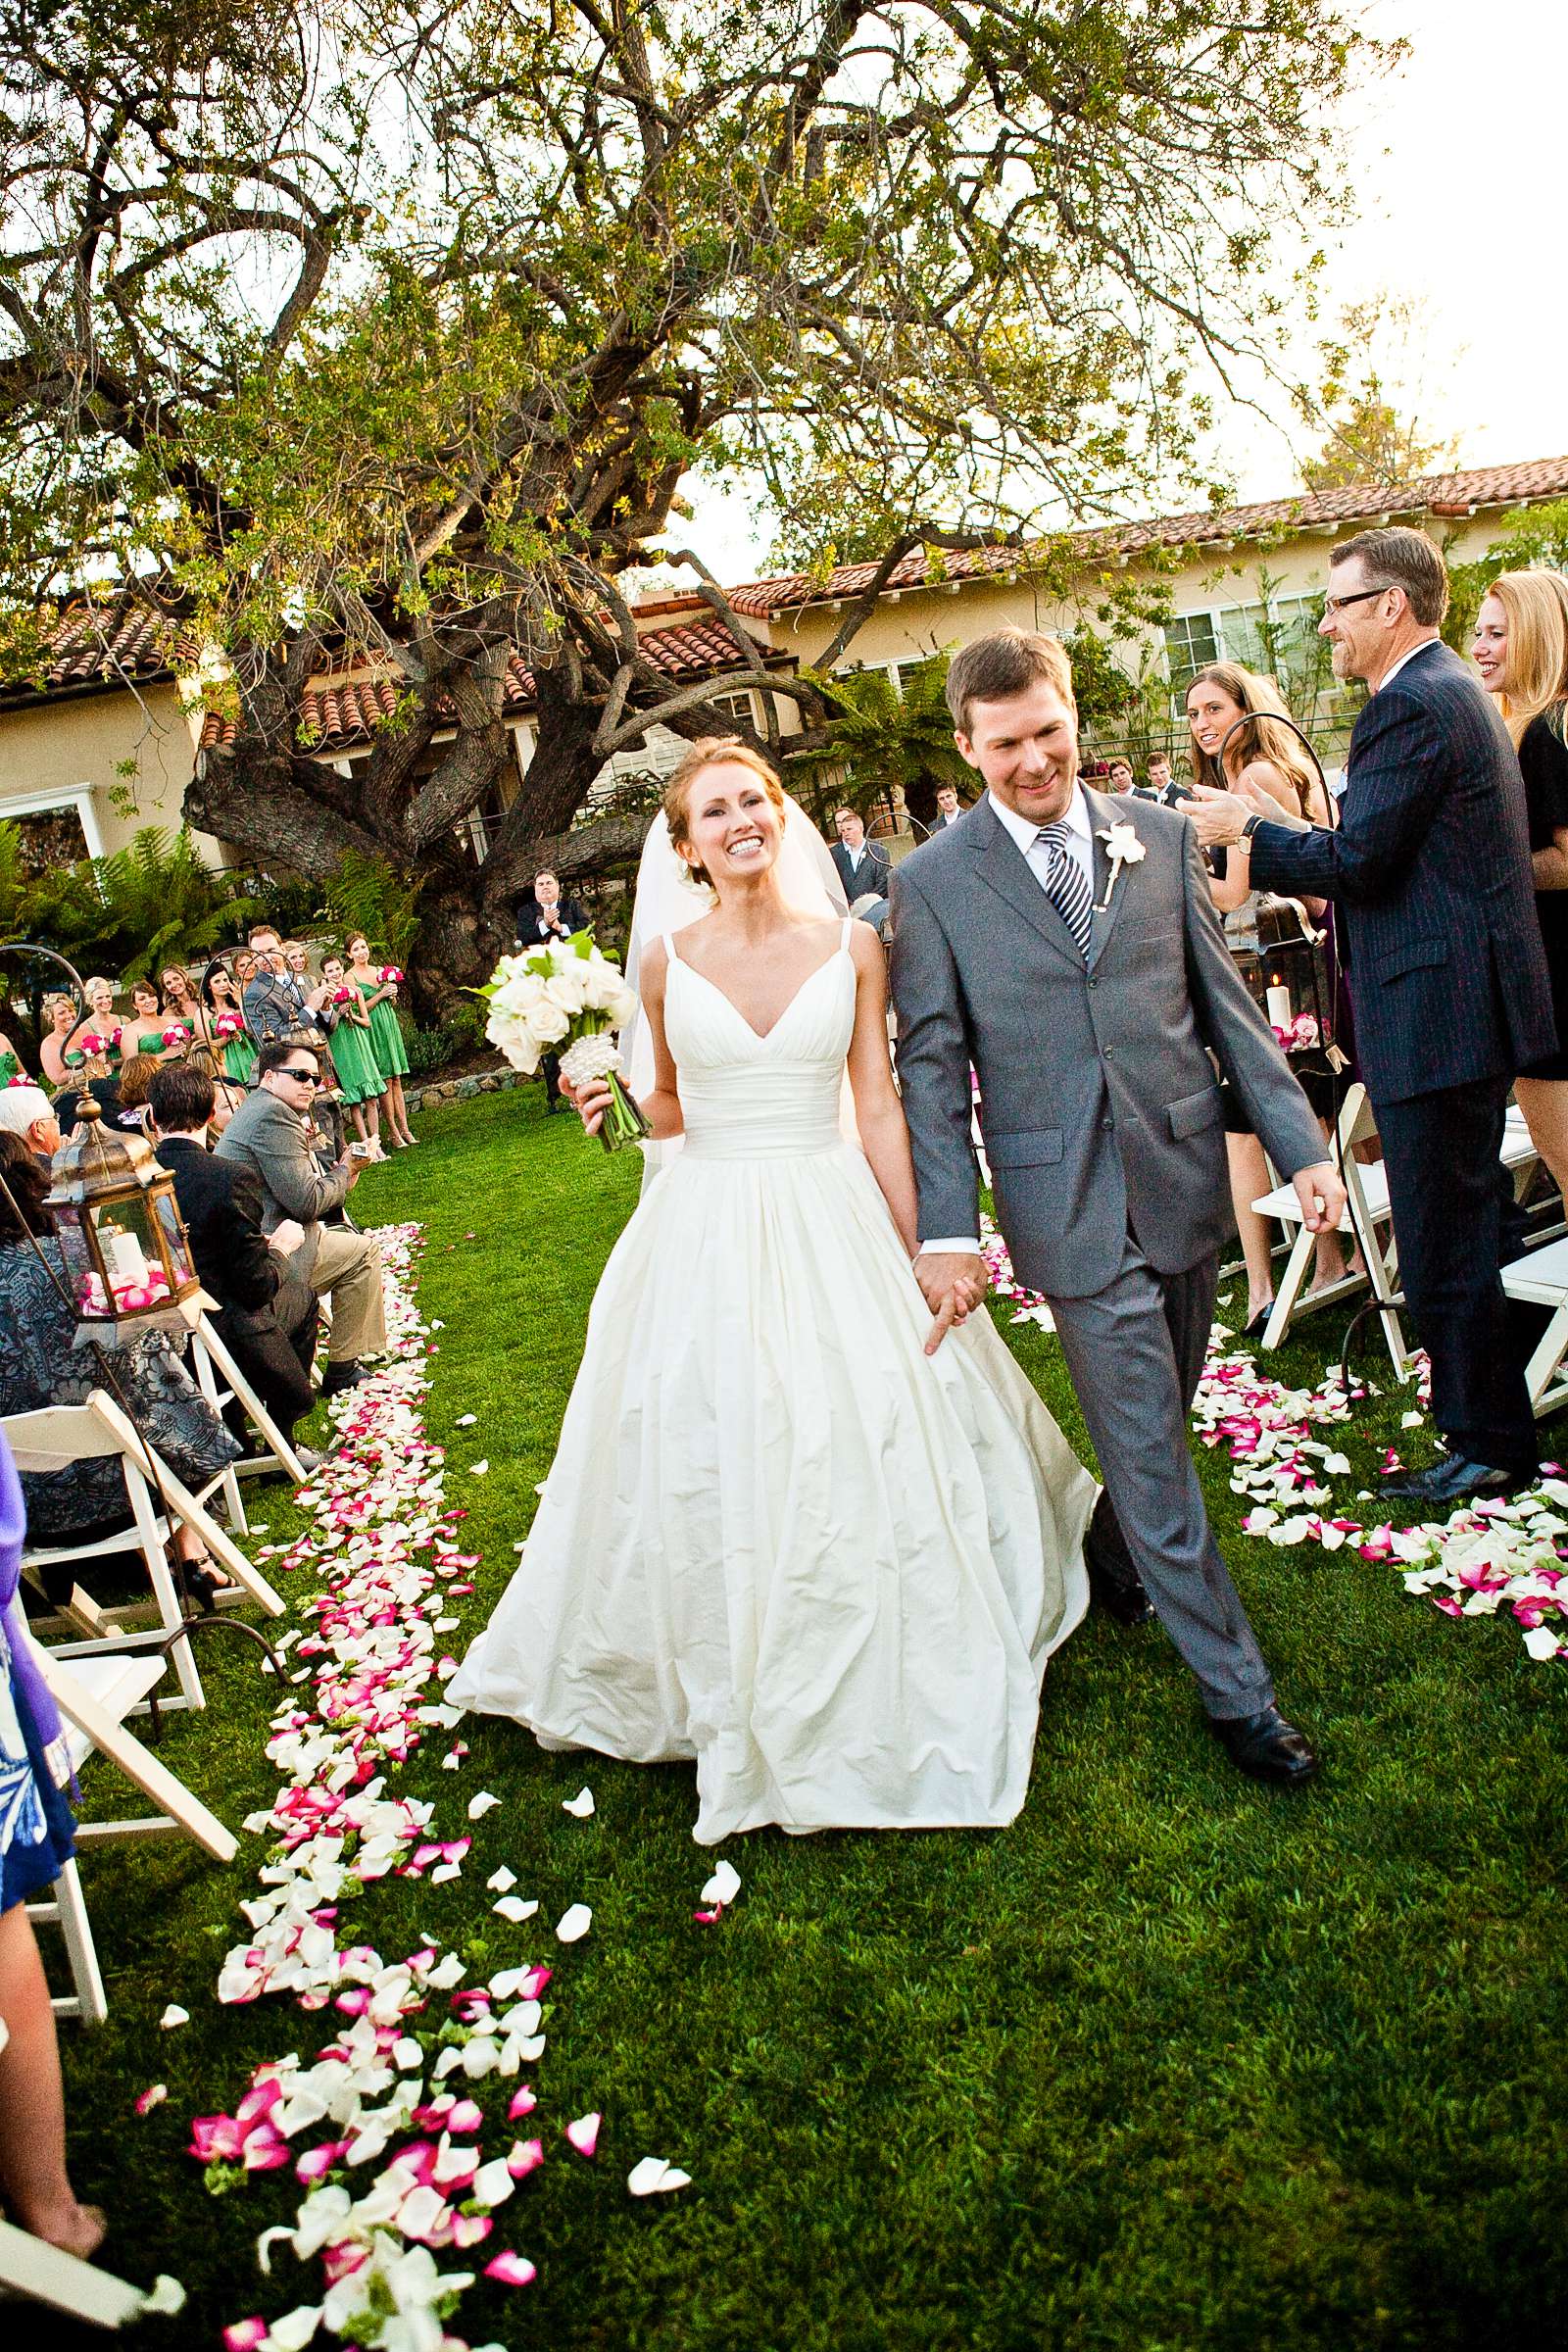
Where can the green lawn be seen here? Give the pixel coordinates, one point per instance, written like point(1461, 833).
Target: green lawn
point(1175, 2062)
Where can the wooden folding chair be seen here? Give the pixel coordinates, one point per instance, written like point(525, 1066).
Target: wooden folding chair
point(94, 1696)
point(57, 1434)
point(42, 2274)
point(221, 1382)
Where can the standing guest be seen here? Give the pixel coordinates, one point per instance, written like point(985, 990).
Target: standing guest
point(1162, 786)
point(543, 914)
point(1520, 650)
point(1431, 865)
point(143, 1032)
point(359, 1073)
point(276, 1000)
point(226, 1022)
point(61, 1015)
point(266, 1315)
point(26, 1111)
point(95, 1039)
point(1238, 744)
point(270, 1136)
point(862, 865)
point(1120, 776)
point(378, 991)
point(948, 808)
point(36, 1842)
point(182, 1004)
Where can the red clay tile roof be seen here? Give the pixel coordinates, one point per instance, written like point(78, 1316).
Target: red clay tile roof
point(1439, 494)
point(336, 717)
point(93, 646)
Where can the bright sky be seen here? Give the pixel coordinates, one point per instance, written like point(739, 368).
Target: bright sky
point(1457, 166)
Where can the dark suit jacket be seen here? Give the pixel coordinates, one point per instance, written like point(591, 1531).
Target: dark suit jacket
point(870, 879)
point(525, 915)
point(1431, 865)
point(221, 1208)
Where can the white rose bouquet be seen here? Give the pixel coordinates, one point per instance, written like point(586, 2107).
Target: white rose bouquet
point(567, 995)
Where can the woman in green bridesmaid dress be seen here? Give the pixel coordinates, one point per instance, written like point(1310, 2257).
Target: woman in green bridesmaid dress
point(227, 1022)
point(378, 989)
point(359, 1074)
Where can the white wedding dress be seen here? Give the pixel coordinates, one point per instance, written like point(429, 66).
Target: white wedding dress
point(778, 1537)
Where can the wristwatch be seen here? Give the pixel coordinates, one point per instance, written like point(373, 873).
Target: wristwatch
point(1250, 827)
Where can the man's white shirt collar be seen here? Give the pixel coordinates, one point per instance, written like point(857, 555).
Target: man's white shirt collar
point(1389, 675)
point(1026, 833)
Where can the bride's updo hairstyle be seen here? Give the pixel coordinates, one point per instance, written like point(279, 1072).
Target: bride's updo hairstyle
point(714, 751)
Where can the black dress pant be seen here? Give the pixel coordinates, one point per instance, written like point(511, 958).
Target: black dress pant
point(276, 1352)
point(1441, 1153)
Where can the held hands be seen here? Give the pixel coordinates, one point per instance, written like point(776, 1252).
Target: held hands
point(953, 1283)
point(1322, 1197)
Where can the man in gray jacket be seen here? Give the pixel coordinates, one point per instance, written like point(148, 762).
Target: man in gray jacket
point(270, 1135)
point(1064, 944)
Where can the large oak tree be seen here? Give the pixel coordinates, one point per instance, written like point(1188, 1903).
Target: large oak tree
point(353, 328)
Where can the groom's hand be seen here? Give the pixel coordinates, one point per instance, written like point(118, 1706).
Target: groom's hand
point(1322, 1197)
point(953, 1283)
point(1217, 816)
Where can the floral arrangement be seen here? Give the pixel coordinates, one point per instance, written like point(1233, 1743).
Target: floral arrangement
point(94, 1046)
point(566, 993)
point(229, 1024)
point(391, 977)
point(1300, 1035)
point(176, 1036)
point(343, 995)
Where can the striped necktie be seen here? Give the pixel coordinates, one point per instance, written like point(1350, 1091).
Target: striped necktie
point(1068, 886)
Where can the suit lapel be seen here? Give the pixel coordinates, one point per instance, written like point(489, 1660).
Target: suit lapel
point(1001, 864)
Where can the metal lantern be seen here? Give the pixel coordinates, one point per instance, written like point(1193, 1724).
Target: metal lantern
point(127, 1259)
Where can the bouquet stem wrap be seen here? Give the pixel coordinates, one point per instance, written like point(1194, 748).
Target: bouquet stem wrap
point(599, 1057)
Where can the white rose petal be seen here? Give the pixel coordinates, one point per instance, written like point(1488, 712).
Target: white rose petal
point(579, 1806)
point(653, 2177)
point(501, 1881)
point(480, 1805)
point(574, 1924)
point(175, 2015)
point(512, 1907)
point(725, 1885)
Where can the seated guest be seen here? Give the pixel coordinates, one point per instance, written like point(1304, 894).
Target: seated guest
point(270, 1136)
point(948, 808)
point(135, 1076)
point(26, 1111)
point(543, 914)
point(105, 1092)
point(40, 1365)
point(266, 1315)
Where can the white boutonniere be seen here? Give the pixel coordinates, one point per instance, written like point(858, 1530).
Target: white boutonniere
point(1123, 848)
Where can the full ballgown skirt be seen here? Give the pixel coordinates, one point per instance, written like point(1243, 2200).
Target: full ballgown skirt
point(778, 1537)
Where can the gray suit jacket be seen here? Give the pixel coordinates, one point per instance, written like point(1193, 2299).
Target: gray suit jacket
point(1099, 1102)
point(270, 1140)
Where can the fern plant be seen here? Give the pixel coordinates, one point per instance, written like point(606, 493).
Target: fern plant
point(371, 895)
point(881, 741)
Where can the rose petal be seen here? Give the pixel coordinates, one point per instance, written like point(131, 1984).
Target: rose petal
point(511, 2270)
point(652, 2176)
point(574, 1924)
point(579, 1806)
point(584, 2132)
point(153, 2096)
point(175, 2015)
point(513, 1908)
point(480, 1805)
point(501, 1881)
point(725, 1885)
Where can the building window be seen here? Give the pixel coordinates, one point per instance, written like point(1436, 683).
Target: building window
point(735, 705)
point(1190, 645)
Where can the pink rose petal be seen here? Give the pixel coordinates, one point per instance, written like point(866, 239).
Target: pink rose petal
point(512, 2270)
point(584, 2132)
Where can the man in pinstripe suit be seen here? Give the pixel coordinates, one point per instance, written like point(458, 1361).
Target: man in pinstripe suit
point(1431, 867)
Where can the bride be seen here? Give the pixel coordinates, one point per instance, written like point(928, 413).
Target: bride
point(795, 1529)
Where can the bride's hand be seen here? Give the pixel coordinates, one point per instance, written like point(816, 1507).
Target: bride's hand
point(590, 1102)
point(953, 1283)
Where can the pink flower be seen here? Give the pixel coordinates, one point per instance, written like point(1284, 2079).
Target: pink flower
point(512, 2270)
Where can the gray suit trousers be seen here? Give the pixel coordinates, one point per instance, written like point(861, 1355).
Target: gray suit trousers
point(1135, 1352)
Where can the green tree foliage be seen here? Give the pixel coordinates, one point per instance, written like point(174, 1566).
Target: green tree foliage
point(155, 902)
point(1533, 541)
point(389, 330)
point(882, 740)
point(1368, 399)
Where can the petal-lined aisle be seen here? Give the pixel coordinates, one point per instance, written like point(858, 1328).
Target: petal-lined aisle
point(1485, 1556)
point(379, 2123)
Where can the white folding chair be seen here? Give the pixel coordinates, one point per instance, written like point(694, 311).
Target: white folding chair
point(42, 2274)
point(94, 1696)
point(58, 1435)
point(1542, 1279)
point(221, 1382)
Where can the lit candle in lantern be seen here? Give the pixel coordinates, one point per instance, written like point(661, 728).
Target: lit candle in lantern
point(1279, 1005)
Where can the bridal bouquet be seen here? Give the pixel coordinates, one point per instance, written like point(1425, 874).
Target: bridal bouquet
point(566, 993)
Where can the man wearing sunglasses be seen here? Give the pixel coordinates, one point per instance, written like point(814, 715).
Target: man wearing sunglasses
point(270, 1135)
point(1430, 869)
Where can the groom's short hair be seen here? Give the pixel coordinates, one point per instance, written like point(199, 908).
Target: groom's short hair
point(994, 669)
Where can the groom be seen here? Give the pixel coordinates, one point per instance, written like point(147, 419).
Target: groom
point(1065, 944)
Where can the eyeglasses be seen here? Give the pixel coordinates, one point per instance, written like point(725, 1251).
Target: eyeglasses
point(1337, 604)
point(305, 1077)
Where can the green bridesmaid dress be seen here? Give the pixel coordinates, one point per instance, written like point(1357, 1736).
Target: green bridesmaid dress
point(240, 1056)
point(386, 1034)
point(359, 1074)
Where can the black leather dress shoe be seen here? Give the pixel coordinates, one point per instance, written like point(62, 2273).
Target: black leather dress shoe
point(347, 1375)
point(1454, 1480)
point(1266, 1745)
point(1114, 1584)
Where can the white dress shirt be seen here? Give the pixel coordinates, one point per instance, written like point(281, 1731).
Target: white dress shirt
point(1389, 675)
point(1025, 833)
